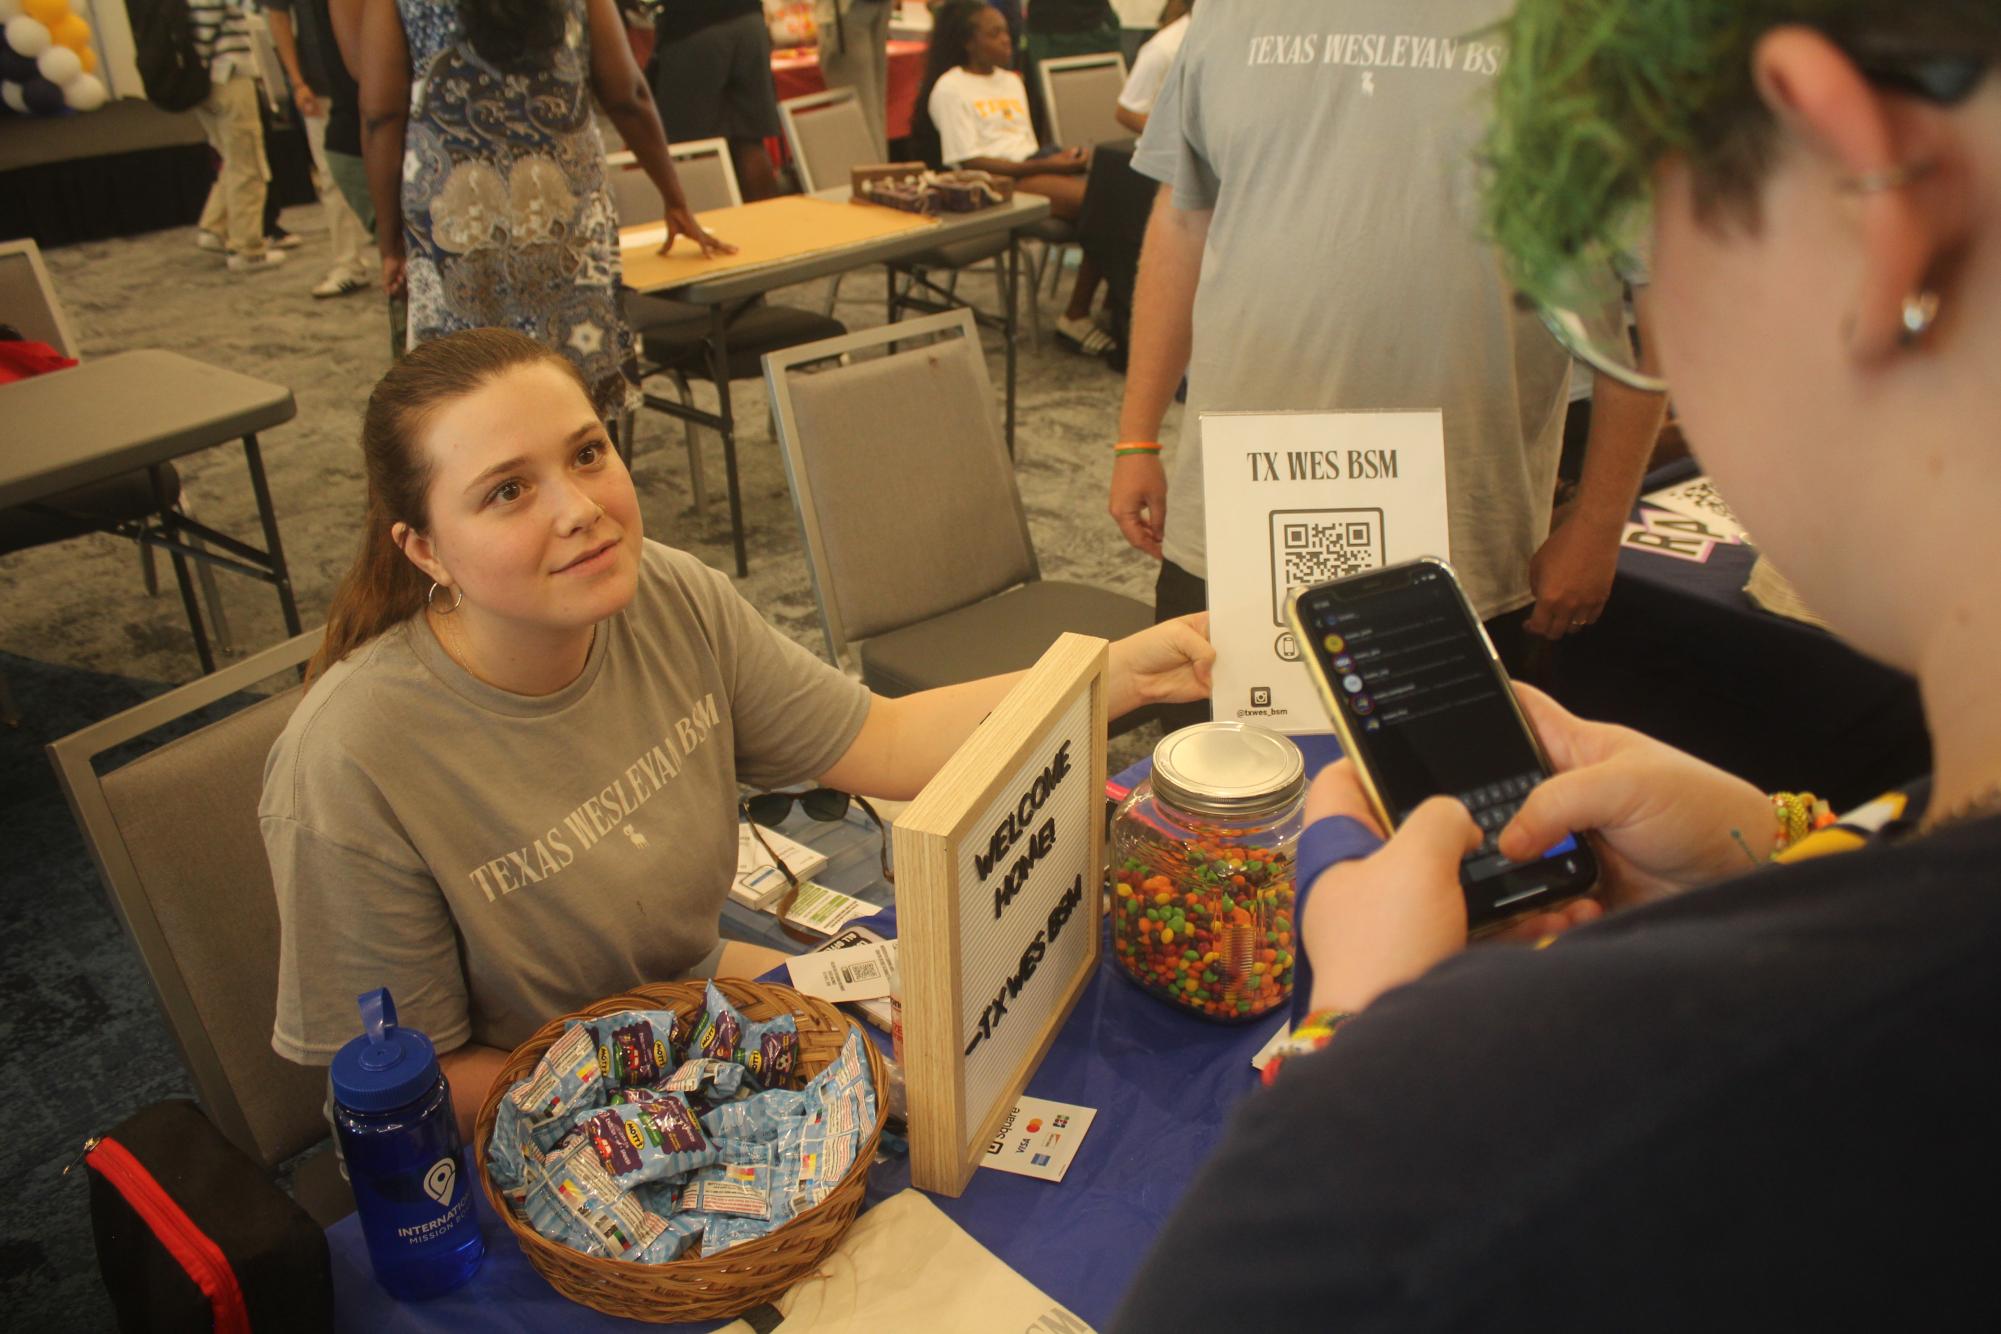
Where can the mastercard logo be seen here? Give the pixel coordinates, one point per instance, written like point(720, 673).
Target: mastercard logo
point(1035, 1125)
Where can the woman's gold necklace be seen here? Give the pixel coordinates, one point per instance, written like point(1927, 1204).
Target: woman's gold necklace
point(459, 655)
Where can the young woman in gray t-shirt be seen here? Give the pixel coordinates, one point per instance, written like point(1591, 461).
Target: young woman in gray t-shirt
point(511, 786)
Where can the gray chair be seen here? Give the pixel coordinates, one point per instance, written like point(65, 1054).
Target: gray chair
point(920, 553)
point(676, 338)
point(120, 504)
point(175, 837)
point(1080, 96)
point(828, 134)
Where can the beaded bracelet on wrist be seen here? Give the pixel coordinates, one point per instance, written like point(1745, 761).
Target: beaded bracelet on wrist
point(1313, 1033)
point(1798, 814)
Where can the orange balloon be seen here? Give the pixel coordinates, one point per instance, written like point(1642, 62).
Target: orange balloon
point(89, 59)
point(48, 12)
point(73, 32)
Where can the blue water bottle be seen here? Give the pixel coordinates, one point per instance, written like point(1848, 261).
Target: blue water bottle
point(393, 1116)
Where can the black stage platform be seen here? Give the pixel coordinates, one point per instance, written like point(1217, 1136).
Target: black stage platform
point(123, 169)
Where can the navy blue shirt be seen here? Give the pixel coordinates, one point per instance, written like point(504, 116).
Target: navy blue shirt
point(1770, 1104)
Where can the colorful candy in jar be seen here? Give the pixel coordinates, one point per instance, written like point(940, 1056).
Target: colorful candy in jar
point(1202, 872)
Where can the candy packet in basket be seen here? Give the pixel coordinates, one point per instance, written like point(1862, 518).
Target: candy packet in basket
point(769, 1050)
point(758, 1119)
point(650, 1140)
point(714, 1082)
point(840, 1109)
point(571, 1199)
point(635, 1047)
point(564, 1081)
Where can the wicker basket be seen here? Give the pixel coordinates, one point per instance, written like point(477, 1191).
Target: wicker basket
point(701, 1287)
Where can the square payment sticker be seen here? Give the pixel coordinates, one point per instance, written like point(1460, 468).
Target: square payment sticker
point(1038, 1138)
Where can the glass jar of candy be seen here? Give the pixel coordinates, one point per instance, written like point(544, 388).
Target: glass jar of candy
point(1201, 871)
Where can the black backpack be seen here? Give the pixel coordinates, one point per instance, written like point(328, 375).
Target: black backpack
point(170, 64)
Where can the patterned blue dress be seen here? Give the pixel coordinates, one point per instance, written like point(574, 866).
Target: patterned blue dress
point(506, 219)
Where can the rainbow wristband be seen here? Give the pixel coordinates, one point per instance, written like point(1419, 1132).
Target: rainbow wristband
point(1126, 447)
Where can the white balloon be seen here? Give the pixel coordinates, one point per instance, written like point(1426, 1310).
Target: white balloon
point(10, 93)
point(9, 9)
point(29, 37)
point(84, 93)
point(59, 65)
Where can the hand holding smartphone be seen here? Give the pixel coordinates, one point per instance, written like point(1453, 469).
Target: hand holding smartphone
point(1424, 709)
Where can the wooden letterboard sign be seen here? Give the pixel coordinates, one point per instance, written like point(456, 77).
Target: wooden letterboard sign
point(998, 870)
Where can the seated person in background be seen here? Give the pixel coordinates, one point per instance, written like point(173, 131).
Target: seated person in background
point(511, 787)
point(978, 108)
point(1150, 67)
point(1753, 1096)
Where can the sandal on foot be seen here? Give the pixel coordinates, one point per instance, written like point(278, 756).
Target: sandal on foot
point(1083, 335)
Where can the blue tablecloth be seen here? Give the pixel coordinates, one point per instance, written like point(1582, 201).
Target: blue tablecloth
point(1683, 654)
point(1163, 1083)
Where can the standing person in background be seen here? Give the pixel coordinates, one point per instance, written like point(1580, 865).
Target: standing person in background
point(854, 53)
point(488, 174)
point(1403, 307)
point(233, 219)
point(328, 101)
point(712, 78)
point(350, 171)
point(1149, 70)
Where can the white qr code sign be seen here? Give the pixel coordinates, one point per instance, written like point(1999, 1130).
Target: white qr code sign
point(1294, 499)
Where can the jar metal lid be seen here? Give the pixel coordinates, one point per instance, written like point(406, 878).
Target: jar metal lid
point(1228, 769)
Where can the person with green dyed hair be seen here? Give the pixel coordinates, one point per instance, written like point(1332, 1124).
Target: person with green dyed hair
point(1751, 1084)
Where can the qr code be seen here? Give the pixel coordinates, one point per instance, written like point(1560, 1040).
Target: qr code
point(1702, 494)
point(1313, 546)
point(859, 972)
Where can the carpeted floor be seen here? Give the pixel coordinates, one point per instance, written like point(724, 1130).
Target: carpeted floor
point(81, 1043)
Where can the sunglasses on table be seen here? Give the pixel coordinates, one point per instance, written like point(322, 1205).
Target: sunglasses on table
point(821, 803)
point(1595, 321)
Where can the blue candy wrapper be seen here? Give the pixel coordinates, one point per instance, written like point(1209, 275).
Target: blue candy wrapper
point(737, 1189)
point(709, 1080)
point(756, 1119)
point(574, 1201)
point(840, 1111)
point(565, 1081)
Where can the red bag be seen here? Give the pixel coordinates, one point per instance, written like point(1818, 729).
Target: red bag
point(191, 1235)
point(21, 358)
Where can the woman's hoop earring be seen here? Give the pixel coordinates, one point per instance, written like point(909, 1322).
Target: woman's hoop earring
point(430, 600)
point(1920, 314)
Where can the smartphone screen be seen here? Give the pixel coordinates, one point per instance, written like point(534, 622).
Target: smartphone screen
point(1425, 710)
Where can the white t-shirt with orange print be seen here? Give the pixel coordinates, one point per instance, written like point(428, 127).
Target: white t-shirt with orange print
point(982, 115)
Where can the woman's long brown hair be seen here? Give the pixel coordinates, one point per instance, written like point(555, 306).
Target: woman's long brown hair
point(383, 588)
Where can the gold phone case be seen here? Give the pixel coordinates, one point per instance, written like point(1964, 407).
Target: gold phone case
point(1339, 714)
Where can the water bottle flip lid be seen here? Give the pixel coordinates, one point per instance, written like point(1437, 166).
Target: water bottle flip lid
point(386, 1065)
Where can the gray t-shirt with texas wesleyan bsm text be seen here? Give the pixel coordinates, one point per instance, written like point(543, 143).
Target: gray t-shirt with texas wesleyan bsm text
point(1345, 268)
point(496, 859)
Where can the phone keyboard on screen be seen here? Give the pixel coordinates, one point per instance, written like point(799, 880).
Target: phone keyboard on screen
point(1492, 807)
